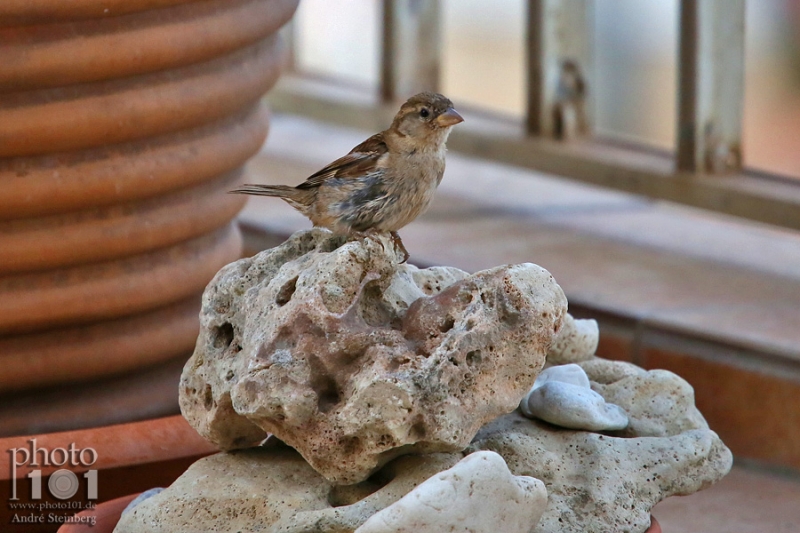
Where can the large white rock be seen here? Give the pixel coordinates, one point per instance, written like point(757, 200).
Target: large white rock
point(353, 359)
point(477, 495)
point(562, 396)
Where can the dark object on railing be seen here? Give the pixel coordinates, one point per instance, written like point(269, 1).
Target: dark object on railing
point(560, 64)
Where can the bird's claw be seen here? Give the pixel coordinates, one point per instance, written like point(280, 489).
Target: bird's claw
point(398, 243)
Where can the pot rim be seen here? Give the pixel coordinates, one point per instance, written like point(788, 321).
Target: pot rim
point(117, 445)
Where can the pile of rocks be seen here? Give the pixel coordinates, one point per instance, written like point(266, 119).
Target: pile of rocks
point(389, 397)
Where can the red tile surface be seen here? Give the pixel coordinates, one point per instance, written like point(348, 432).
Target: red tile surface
point(745, 501)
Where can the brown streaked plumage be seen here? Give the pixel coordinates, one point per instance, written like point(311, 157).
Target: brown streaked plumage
point(383, 183)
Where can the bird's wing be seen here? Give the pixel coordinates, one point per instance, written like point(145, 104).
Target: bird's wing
point(362, 160)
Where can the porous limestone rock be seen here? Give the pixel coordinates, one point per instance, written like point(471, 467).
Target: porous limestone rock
point(353, 359)
point(598, 482)
point(477, 495)
point(595, 482)
point(246, 490)
point(611, 482)
point(562, 396)
point(658, 402)
point(603, 371)
point(577, 341)
point(273, 489)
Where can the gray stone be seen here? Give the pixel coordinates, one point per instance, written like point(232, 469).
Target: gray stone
point(571, 406)
point(571, 373)
point(562, 396)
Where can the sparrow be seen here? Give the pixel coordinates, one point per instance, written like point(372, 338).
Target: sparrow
point(383, 183)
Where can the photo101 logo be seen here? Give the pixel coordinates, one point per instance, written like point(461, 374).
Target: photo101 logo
point(63, 483)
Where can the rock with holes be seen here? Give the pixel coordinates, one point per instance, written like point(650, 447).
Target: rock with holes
point(594, 482)
point(577, 341)
point(274, 490)
point(610, 482)
point(658, 402)
point(242, 491)
point(353, 359)
point(599, 482)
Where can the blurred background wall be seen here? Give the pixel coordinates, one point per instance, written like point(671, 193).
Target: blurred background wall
point(636, 52)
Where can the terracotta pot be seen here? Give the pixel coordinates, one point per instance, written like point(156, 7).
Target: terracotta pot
point(21, 12)
point(119, 230)
point(140, 169)
point(63, 119)
point(97, 291)
point(129, 458)
point(122, 125)
point(135, 395)
point(103, 348)
point(145, 39)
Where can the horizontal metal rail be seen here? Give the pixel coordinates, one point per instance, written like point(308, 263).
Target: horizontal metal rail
point(756, 196)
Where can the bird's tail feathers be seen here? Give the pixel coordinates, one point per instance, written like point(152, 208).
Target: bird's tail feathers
point(281, 191)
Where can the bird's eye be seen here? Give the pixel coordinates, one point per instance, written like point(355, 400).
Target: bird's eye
point(424, 113)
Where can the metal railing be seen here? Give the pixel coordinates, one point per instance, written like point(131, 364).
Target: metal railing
point(556, 136)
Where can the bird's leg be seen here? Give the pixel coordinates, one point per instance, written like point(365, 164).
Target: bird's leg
point(398, 243)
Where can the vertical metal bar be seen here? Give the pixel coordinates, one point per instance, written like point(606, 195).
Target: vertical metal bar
point(387, 51)
point(711, 85)
point(560, 67)
point(411, 48)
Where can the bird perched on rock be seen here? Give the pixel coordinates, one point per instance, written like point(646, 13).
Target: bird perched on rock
point(383, 183)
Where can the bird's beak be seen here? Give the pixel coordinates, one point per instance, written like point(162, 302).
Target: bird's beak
point(448, 118)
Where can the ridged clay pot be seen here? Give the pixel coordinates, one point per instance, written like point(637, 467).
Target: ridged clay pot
point(122, 125)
